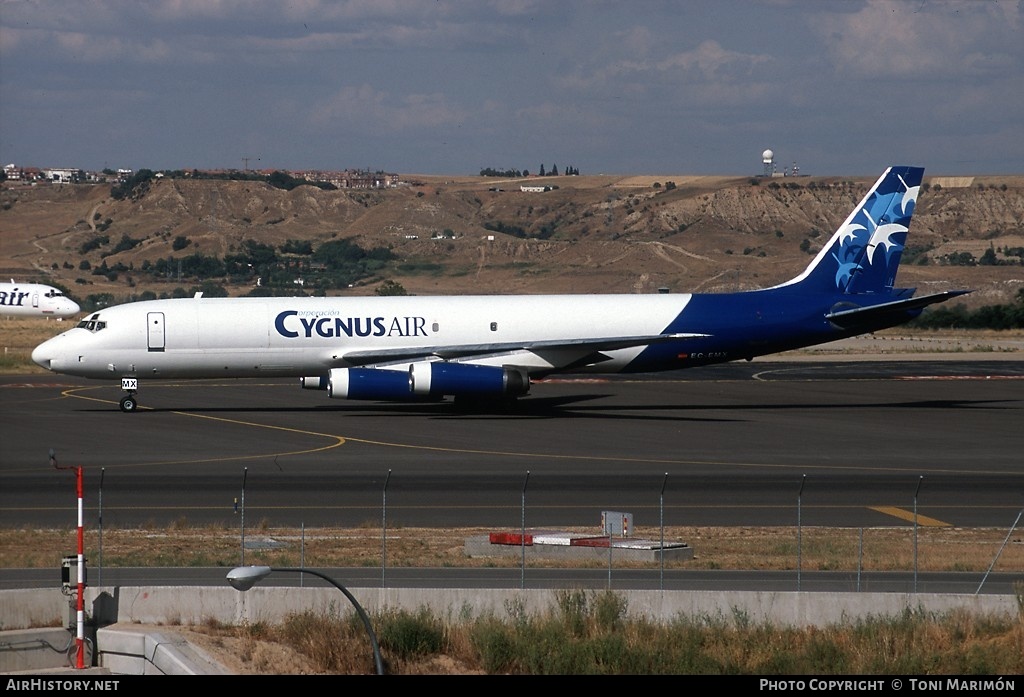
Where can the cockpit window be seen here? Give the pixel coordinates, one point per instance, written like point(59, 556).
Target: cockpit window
point(93, 323)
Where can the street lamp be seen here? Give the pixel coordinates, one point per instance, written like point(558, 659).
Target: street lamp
point(243, 578)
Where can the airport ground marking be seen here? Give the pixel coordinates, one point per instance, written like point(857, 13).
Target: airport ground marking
point(515, 507)
point(238, 422)
point(656, 461)
point(199, 461)
point(338, 440)
point(909, 516)
point(341, 440)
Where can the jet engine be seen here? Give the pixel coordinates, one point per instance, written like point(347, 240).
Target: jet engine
point(424, 380)
point(463, 379)
point(317, 382)
point(368, 383)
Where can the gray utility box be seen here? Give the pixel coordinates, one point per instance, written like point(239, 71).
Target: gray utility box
point(617, 524)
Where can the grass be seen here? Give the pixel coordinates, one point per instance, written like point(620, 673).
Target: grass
point(590, 633)
point(972, 550)
point(19, 335)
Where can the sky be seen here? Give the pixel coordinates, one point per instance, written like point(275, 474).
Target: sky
point(450, 87)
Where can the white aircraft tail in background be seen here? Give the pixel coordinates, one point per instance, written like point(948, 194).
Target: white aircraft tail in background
point(35, 300)
point(490, 348)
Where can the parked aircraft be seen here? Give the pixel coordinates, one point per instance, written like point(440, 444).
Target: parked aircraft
point(490, 348)
point(35, 300)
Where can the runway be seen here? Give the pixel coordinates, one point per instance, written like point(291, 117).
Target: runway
point(850, 444)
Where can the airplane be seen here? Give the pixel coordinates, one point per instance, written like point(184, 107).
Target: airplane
point(489, 349)
point(35, 300)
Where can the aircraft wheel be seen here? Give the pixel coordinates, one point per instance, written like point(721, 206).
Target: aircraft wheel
point(129, 404)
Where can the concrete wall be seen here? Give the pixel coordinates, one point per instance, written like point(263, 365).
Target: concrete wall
point(124, 651)
point(188, 605)
point(171, 605)
point(31, 650)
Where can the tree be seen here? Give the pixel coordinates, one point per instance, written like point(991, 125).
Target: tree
point(390, 287)
point(210, 289)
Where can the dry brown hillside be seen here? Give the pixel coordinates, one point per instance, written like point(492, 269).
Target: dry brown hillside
point(600, 233)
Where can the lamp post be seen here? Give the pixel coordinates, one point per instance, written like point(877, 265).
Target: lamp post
point(243, 578)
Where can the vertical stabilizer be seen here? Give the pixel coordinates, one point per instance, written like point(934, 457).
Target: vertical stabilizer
point(864, 253)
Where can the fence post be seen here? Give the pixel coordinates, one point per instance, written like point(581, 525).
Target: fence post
point(522, 537)
point(384, 533)
point(920, 479)
point(1005, 540)
point(799, 533)
point(245, 473)
point(662, 525)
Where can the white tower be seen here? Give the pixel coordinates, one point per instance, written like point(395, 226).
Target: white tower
point(768, 160)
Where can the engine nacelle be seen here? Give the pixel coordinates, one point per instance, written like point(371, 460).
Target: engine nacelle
point(368, 383)
point(463, 379)
point(315, 383)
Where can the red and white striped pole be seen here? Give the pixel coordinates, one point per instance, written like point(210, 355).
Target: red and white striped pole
point(80, 663)
point(80, 601)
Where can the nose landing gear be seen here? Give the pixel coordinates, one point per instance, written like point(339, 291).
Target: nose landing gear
point(128, 402)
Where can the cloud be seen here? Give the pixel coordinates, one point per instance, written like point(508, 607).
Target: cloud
point(369, 109)
point(922, 39)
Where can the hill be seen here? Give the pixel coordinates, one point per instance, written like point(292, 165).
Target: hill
point(586, 234)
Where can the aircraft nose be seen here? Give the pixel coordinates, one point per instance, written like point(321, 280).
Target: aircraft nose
point(43, 354)
point(68, 308)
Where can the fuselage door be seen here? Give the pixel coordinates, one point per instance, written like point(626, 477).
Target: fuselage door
point(155, 324)
point(35, 300)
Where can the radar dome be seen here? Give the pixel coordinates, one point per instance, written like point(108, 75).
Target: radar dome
point(767, 156)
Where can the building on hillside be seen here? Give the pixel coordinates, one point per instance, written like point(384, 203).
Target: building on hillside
point(24, 174)
point(64, 175)
point(356, 179)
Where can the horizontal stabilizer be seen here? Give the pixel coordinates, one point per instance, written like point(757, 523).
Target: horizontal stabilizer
point(866, 315)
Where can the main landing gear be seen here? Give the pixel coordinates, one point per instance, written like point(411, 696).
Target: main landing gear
point(128, 402)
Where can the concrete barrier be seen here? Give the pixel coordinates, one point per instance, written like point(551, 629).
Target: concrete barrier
point(112, 610)
point(128, 651)
point(33, 650)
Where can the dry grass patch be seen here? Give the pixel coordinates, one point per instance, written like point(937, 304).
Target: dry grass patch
point(746, 548)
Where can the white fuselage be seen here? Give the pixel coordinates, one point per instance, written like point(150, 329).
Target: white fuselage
point(246, 337)
point(35, 300)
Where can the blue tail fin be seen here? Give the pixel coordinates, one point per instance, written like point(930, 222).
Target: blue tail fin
point(864, 253)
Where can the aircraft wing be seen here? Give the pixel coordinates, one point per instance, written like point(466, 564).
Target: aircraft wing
point(449, 352)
